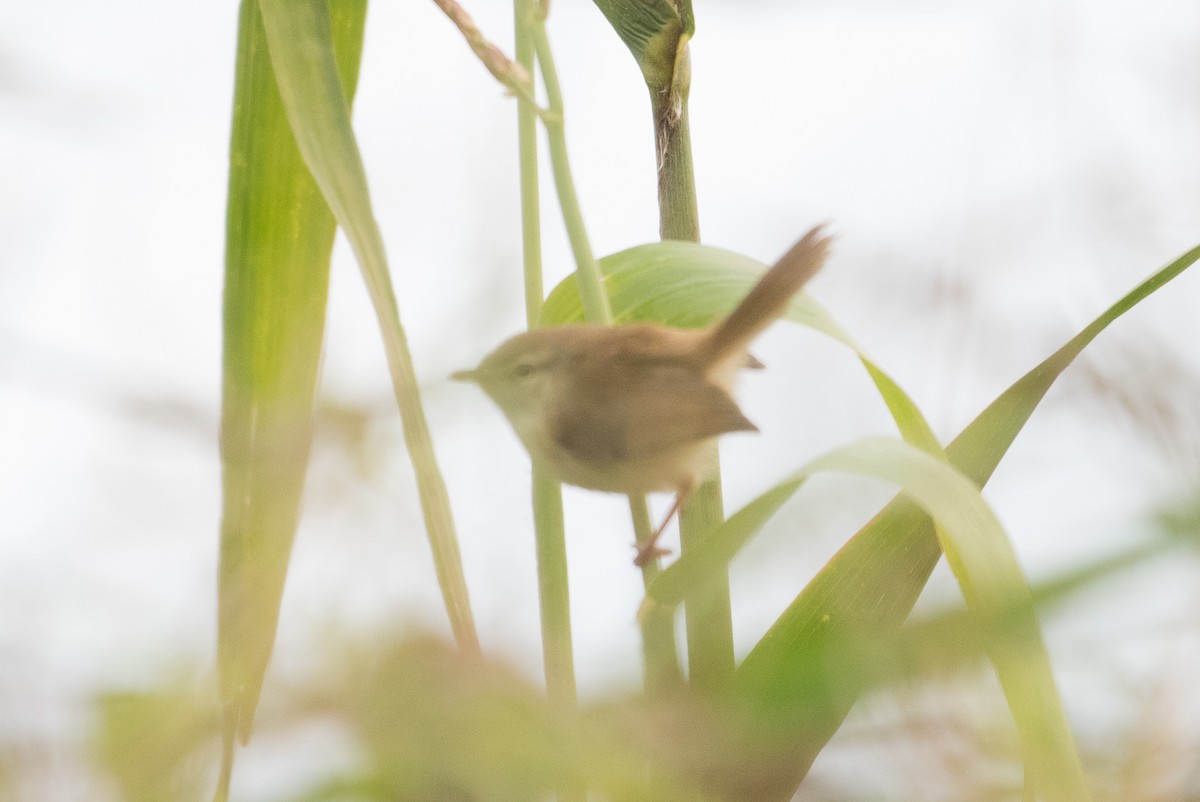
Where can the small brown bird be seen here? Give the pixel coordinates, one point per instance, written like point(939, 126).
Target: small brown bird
point(638, 408)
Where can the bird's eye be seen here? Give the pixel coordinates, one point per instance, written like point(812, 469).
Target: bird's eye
point(523, 369)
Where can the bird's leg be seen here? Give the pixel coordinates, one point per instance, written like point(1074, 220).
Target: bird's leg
point(648, 549)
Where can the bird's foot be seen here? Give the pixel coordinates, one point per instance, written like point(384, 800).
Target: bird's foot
point(647, 551)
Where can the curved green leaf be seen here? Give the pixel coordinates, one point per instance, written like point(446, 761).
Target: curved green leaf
point(983, 562)
point(688, 285)
point(951, 639)
point(652, 30)
point(808, 669)
point(811, 665)
point(298, 33)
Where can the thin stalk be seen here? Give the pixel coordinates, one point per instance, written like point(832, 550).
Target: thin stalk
point(531, 214)
point(554, 592)
point(516, 77)
point(662, 664)
point(431, 488)
point(553, 587)
point(660, 660)
point(709, 617)
point(591, 287)
point(708, 614)
point(678, 216)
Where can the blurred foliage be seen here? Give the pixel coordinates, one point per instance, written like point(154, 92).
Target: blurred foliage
point(158, 744)
point(1181, 518)
point(428, 723)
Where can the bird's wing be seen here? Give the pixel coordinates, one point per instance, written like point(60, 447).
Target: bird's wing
point(652, 404)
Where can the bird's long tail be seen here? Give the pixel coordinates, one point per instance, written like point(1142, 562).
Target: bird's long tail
point(768, 300)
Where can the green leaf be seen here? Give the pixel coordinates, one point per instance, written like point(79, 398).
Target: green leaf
point(983, 562)
point(298, 33)
point(150, 743)
point(278, 242)
point(652, 30)
point(430, 723)
point(944, 642)
point(809, 668)
point(688, 285)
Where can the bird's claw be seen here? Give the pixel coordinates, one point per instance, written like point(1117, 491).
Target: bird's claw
point(647, 551)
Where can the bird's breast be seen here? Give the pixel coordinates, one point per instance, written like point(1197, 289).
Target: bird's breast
point(668, 470)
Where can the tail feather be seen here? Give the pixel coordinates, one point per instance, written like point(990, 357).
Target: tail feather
point(769, 298)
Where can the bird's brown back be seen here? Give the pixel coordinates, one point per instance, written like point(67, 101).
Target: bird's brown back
point(640, 390)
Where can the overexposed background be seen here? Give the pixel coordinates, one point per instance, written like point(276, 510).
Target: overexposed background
point(997, 173)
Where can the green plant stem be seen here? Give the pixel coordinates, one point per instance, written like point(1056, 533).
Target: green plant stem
point(708, 614)
point(659, 656)
point(662, 663)
point(554, 593)
point(531, 214)
point(591, 288)
point(678, 215)
point(553, 587)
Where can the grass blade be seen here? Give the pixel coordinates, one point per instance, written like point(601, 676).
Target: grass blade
point(804, 670)
point(983, 562)
point(278, 242)
point(298, 32)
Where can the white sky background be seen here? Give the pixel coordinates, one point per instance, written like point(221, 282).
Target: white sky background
point(997, 173)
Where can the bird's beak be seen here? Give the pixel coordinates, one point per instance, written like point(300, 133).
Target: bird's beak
point(465, 376)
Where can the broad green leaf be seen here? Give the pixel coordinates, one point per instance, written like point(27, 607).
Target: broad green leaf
point(278, 242)
point(808, 669)
point(688, 285)
point(983, 562)
point(298, 34)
